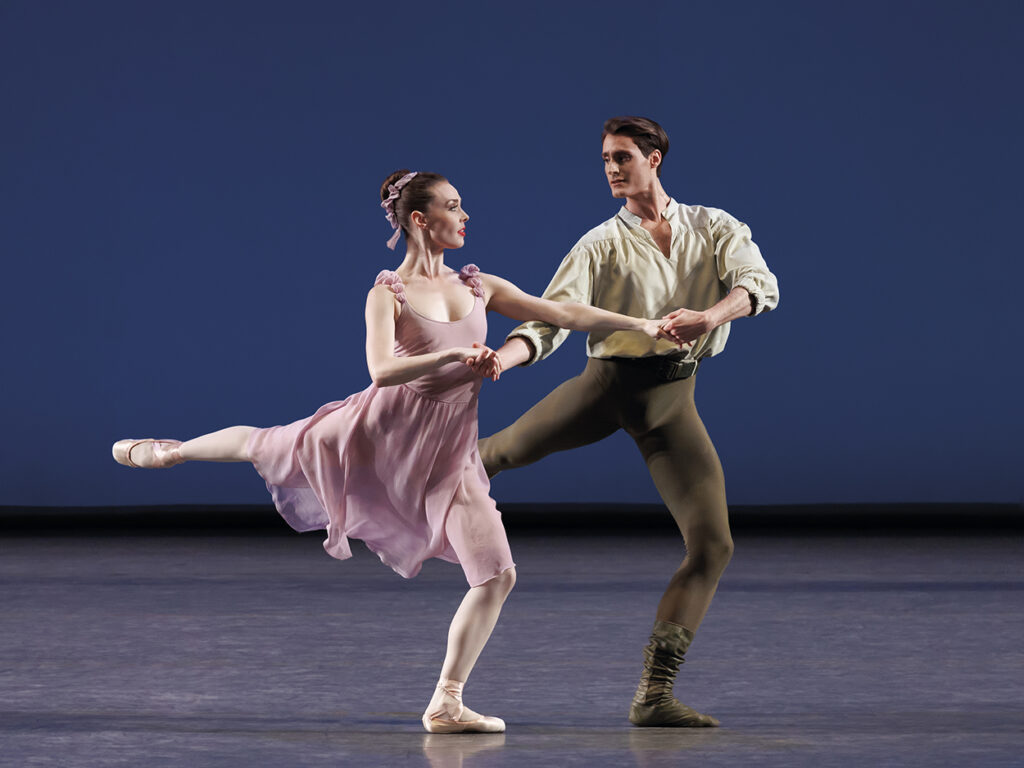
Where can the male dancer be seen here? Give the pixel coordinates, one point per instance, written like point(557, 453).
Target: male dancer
point(698, 268)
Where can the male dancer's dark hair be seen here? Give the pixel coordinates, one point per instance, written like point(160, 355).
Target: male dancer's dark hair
point(646, 134)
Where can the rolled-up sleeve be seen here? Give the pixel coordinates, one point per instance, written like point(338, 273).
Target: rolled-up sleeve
point(573, 282)
point(740, 264)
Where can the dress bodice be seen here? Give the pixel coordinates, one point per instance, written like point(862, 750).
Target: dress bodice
point(419, 335)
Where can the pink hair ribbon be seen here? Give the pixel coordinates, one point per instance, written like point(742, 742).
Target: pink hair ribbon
point(389, 206)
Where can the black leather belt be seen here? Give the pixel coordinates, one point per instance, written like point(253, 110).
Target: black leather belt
point(664, 367)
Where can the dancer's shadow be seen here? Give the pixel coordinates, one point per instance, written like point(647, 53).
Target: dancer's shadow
point(450, 750)
point(658, 747)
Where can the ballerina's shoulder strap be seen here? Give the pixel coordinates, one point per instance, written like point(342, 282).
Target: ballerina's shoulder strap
point(470, 275)
point(392, 281)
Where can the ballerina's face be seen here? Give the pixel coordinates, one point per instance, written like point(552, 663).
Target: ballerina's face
point(445, 217)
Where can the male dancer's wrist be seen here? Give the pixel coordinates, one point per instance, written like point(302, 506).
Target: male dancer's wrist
point(516, 351)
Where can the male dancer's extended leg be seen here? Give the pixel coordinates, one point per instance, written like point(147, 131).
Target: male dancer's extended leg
point(686, 470)
point(575, 413)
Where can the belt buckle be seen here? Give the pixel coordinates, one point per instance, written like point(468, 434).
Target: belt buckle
point(670, 370)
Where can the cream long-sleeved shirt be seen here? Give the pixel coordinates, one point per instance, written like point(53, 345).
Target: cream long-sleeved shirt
point(617, 266)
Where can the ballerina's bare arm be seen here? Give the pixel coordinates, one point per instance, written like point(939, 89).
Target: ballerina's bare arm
point(506, 299)
point(386, 370)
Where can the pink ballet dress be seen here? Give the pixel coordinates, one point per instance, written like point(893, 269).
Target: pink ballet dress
point(396, 467)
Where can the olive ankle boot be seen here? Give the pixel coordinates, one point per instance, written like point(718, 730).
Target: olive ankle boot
point(654, 704)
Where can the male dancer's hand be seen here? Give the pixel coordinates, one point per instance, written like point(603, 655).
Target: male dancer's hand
point(656, 330)
point(688, 325)
point(685, 325)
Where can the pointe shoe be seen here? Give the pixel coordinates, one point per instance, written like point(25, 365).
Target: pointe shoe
point(166, 453)
point(444, 714)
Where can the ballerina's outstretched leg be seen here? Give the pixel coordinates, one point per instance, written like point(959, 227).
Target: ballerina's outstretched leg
point(224, 445)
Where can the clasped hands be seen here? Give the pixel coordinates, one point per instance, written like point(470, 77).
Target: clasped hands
point(483, 360)
point(682, 327)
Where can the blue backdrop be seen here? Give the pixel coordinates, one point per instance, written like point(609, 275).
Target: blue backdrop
point(190, 224)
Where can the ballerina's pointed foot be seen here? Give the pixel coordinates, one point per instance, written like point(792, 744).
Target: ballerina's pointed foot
point(447, 714)
point(480, 724)
point(148, 453)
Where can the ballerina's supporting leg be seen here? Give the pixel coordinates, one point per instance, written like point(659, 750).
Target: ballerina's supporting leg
point(224, 445)
point(470, 629)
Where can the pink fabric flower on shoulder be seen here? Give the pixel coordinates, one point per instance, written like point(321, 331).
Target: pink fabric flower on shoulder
point(470, 274)
point(393, 281)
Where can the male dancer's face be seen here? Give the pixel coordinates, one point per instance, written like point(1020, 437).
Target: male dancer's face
point(629, 173)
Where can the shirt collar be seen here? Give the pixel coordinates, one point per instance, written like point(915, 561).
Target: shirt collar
point(633, 220)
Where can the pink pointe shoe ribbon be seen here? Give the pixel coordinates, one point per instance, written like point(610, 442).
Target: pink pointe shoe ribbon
point(446, 717)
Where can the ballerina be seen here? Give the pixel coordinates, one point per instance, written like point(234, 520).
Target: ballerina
point(396, 465)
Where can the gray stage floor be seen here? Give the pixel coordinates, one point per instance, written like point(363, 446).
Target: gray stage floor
point(263, 651)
